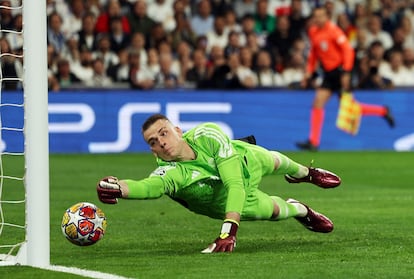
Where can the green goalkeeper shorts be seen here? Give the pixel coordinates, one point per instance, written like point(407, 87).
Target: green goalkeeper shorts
point(258, 206)
point(260, 162)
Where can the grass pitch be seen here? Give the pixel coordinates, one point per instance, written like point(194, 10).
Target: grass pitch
point(372, 211)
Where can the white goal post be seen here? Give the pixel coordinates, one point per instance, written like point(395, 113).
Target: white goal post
point(35, 251)
point(36, 134)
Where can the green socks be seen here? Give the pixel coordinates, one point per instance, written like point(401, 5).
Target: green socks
point(287, 210)
point(290, 167)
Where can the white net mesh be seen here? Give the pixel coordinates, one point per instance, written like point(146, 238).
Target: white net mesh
point(12, 192)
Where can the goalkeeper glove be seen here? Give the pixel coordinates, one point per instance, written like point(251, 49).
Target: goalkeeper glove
point(227, 239)
point(109, 190)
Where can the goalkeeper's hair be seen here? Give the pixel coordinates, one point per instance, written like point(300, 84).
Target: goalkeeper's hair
point(152, 119)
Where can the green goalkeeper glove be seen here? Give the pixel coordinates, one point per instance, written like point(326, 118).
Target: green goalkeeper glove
point(226, 242)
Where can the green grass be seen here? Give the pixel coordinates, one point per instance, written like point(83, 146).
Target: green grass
point(372, 212)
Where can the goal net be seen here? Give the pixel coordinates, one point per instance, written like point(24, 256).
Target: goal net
point(24, 166)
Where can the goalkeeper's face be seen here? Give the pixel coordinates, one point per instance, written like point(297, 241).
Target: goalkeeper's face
point(165, 140)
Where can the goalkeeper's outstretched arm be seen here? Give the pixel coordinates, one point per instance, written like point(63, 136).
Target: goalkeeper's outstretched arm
point(110, 188)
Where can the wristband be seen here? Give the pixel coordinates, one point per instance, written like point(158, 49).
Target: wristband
point(229, 228)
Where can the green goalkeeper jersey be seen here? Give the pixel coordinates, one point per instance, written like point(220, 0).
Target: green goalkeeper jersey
point(216, 182)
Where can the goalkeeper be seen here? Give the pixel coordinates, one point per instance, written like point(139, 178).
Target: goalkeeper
point(210, 174)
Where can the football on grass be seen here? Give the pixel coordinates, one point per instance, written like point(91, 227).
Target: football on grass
point(83, 224)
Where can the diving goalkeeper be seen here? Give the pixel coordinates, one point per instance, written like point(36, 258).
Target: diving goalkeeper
point(210, 174)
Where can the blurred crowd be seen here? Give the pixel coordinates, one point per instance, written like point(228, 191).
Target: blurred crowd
point(218, 44)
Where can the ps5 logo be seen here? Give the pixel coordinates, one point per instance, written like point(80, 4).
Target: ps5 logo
point(86, 120)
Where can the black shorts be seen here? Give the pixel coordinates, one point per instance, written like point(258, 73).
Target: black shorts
point(332, 80)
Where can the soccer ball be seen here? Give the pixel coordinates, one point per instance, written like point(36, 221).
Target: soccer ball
point(83, 224)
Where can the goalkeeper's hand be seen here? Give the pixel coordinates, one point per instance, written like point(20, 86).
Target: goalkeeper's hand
point(109, 190)
point(226, 242)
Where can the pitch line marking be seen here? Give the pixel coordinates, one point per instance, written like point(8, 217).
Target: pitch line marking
point(84, 272)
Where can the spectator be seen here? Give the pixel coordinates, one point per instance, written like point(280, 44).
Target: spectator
point(158, 36)
point(87, 35)
point(92, 7)
point(244, 7)
point(182, 6)
point(184, 60)
point(166, 78)
point(252, 42)
point(64, 75)
point(266, 76)
point(246, 58)
point(398, 38)
point(153, 64)
point(376, 52)
point(125, 5)
point(232, 75)
point(299, 46)
point(118, 38)
point(161, 11)
point(360, 16)
point(361, 44)
point(397, 72)
point(138, 44)
point(53, 83)
point(120, 71)
point(182, 31)
point(233, 45)
point(408, 32)
point(104, 51)
point(280, 41)
point(165, 48)
point(390, 15)
point(294, 72)
point(375, 33)
point(71, 52)
point(113, 9)
point(99, 79)
point(197, 76)
point(15, 39)
point(334, 8)
point(296, 18)
point(231, 21)
point(218, 35)
point(278, 8)
point(349, 29)
point(11, 67)
point(6, 16)
point(408, 58)
point(203, 21)
point(83, 66)
point(59, 6)
point(139, 77)
point(55, 35)
point(72, 22)
point(52, 58)
point(217, 67)
point(239, 76)
point(409, 12)
point(369, 77)
point(264, 22)
point(247, 24)
point(140, 21)
point(219, 7)
point(201, 43)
